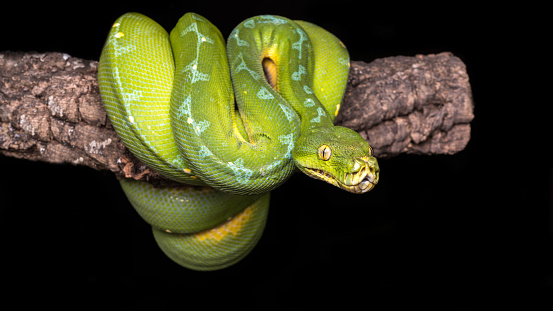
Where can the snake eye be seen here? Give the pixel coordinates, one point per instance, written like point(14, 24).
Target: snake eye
point(370, 151)
point(325, 152)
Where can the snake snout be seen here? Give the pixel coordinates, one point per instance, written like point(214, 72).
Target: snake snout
point(356, 177)
point(365, 175)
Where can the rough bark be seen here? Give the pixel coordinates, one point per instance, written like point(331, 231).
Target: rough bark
point(50, 109)
point(420, 104)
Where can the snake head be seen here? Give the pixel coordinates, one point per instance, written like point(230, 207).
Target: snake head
point(339, 156)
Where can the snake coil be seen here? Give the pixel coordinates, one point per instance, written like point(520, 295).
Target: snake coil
point(228, 138)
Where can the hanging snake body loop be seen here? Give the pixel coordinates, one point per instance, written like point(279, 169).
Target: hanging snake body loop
point(231, 138)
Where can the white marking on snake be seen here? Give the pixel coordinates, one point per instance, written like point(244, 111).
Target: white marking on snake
point(296, 76)
point(196, 17)
point(192, 68)
point(239, 41)
point(184, 112)
point(242, 173)
point(264, 94)
point(290, 141)
point(297, 45)
point(243, 66)
point(271, 19)
point(124, 49)
point(309, 103)
point(290, 115)
point(321, 113)
point(204, 152)
point(132, 97)
point(249, 24)
point(343, 61)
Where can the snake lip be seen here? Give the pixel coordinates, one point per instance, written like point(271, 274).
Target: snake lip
point(361, 181)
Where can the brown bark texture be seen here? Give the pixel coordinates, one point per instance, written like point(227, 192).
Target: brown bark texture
point(51, 110)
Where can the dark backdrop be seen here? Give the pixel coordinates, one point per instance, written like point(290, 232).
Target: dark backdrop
point(458, 232)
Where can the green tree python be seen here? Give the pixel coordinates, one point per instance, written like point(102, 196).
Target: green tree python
point(231, 122)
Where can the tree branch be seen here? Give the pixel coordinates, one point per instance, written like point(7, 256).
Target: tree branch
point(420, 104)
point(50, 110)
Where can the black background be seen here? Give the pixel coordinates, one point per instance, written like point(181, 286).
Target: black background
point(461, 232)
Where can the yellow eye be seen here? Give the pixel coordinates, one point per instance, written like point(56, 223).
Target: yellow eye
point(370, 151)
point(325, 152)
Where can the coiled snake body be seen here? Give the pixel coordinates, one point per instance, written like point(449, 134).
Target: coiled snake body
point(176, 108)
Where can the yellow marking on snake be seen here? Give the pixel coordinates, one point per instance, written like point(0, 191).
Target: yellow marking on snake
point(270, 70)
point(233, 226)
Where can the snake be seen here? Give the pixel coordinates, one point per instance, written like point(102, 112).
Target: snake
point(228, 122)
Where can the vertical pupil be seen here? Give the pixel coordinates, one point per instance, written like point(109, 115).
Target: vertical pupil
point(324, 152)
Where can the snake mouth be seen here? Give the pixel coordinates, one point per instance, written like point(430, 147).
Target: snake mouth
point(362, 180)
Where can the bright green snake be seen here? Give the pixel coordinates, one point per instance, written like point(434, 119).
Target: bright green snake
point(175, 106)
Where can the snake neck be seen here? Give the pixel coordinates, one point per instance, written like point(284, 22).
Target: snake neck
point(312, 114)
point(314, 118)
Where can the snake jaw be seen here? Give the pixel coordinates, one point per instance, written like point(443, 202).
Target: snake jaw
point(363, 178)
